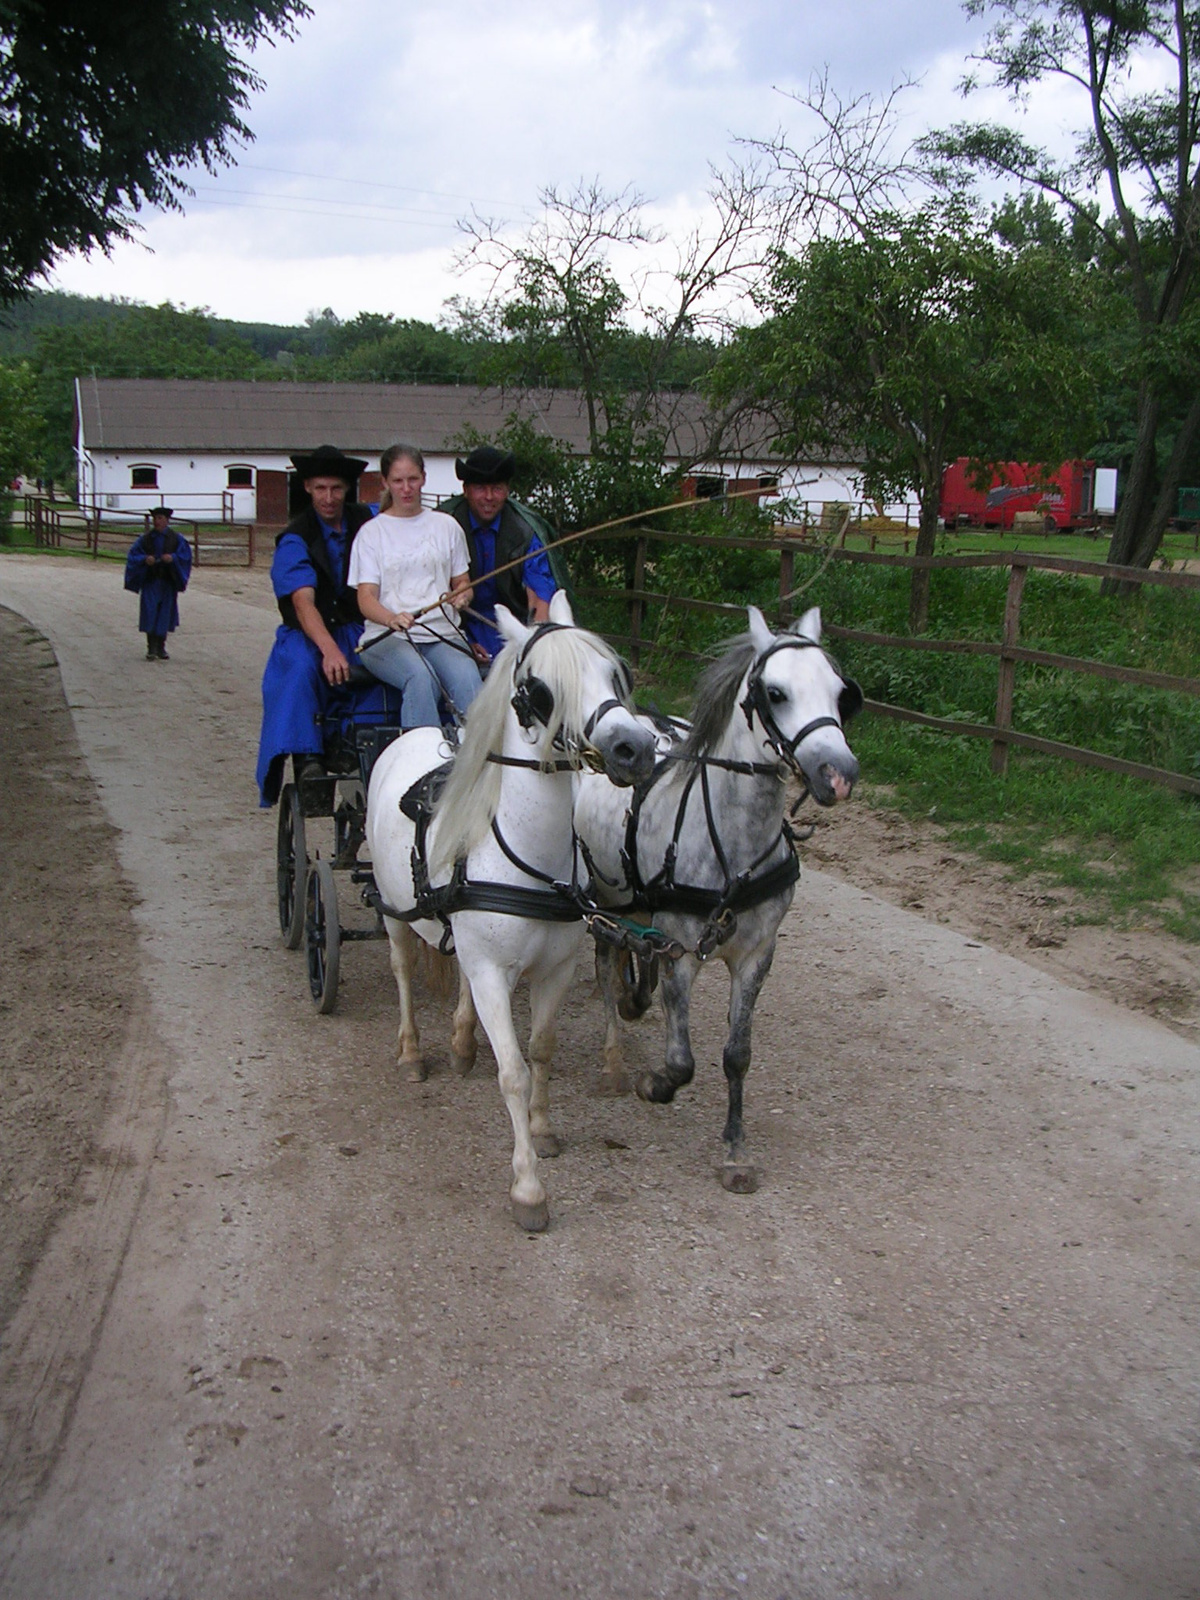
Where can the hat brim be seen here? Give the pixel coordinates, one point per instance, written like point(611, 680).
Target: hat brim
point(329, 465)
point(500, 471)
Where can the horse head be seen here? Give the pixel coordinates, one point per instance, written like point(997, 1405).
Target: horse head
point(572, 695)
point(797, 697)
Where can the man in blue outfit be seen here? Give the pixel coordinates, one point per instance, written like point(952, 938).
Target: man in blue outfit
point(157, 568)
point(499, 531)
point(314, 644)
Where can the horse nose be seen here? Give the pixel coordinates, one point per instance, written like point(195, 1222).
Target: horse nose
point(629, 756)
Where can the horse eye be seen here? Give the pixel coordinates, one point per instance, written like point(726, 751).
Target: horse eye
point(776, 695)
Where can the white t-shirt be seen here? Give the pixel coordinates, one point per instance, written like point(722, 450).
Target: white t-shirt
point(412, 559)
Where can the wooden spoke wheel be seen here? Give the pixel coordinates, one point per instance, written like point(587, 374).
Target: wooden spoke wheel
point(291, 866)
point(322, 936)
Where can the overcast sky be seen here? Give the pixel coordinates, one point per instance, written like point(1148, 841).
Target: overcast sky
point(380, 126)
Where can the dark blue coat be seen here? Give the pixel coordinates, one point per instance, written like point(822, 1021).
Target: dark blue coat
point(160, 585)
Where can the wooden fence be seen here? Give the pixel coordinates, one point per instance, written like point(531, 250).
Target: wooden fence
point(214, 544)
point(1007, 651)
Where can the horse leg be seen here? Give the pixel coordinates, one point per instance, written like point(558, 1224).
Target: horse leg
point(614, 1079)
point(738, 1175)
point(545, 1000)
point(463, 1046)
point(680, 1067)
point(401, 949)
point(493, 1002)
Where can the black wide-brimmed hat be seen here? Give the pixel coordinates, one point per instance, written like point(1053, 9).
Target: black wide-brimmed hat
point(162, 511)
point(486, 464)
point(327, 461)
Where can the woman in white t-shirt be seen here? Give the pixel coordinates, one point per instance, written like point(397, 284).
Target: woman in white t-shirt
point(404, 559)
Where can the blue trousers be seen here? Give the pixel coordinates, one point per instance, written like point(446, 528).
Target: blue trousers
point(421, 672)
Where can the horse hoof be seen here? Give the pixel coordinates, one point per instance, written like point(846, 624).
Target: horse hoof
point(738, 1177)
point(533, 1218)
point(416, 1071)
point(612, 1084)
point(463, 1064)
point(652, 1086)
point(547, 1145)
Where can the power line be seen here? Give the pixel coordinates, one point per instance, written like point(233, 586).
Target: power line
point(361, 206)
point(370, 183)
point(347, 216)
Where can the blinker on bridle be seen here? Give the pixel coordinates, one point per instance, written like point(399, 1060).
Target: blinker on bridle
point(756, 702)
point(533, 700)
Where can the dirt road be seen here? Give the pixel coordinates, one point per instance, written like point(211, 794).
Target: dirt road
point(283, 1339)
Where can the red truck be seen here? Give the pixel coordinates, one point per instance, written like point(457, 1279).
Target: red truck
point(1064, 498)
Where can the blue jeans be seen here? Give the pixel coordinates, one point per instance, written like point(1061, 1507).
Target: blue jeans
point(420, 671)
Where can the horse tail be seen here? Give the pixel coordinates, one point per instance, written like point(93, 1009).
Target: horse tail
point(439, 973)
point(638, 979)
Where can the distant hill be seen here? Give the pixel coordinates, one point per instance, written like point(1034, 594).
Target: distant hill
point(21, 323)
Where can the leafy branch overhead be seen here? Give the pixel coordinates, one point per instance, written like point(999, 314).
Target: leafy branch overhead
point(104, 107)
point(1132, 185)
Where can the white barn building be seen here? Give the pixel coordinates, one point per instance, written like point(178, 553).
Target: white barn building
point(220, 451)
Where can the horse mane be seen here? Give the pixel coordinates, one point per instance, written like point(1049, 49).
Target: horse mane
point(468, 802)
point(716, 695)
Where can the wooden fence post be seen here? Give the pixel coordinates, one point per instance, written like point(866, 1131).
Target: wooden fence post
point(251, 552)
point(1008, 667)
point(636, 604)
point(787, 582)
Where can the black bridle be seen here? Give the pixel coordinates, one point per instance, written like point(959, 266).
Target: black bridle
point(758, 704)
point(533, 700)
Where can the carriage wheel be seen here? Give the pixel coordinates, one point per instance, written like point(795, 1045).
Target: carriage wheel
point(291, 866)
point(322, 936)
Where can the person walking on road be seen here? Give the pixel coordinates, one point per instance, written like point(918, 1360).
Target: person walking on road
point(157, 568)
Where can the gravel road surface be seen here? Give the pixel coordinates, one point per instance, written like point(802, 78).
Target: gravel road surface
point(283, 1339)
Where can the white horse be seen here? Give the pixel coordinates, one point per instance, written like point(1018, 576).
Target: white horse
point(704, 848)
point(554, 698)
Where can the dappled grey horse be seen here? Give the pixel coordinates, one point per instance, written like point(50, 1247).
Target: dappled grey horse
point(705, 851)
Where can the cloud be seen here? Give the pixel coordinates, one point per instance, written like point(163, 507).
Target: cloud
point(377, 129)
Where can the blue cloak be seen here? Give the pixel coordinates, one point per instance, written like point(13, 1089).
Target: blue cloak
point(160, 585)
point(297, 699)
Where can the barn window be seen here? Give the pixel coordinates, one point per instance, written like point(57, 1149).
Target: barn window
point(240, 477)
point(768, 480)
point(710, 488)
point(143, 477)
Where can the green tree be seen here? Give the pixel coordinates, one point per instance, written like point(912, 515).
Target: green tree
point(145, 342)
point(1133, 65)
point(102, 108)
point(912, 343)
point(21, 428)
point(558, 313)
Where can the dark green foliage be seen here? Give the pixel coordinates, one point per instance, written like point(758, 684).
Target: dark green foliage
point(138, 342)
point(914, 342)
point(103, 106)
point(1122, 842)
point(1140, 149)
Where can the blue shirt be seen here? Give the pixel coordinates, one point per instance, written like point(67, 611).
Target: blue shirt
point(292, 567)
point(535, 574)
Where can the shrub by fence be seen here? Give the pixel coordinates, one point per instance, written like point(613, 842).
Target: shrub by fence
point(1153, 707)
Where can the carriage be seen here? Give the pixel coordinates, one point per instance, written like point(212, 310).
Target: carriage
point(364, 720)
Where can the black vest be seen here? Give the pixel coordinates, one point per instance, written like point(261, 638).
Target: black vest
point(336, 603)
point(512, 542)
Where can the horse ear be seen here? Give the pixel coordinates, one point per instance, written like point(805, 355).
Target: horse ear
point(760, 635)
point(512, 631)
point(809, 625)
point(560, 608)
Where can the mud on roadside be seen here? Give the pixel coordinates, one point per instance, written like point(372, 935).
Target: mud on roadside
point(68, 980)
